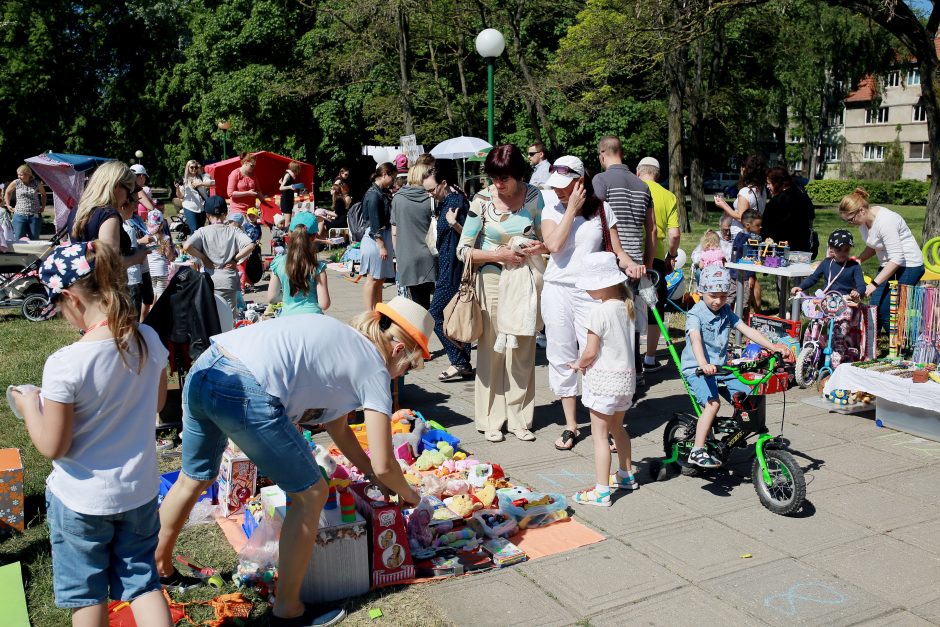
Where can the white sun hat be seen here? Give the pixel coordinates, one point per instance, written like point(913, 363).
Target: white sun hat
point(599, 270)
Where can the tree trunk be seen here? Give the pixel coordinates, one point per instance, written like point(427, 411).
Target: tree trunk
point(675, 72)
point(440, 91)
point(931, 101)
point(530, 82)
point(404, 67)
point(696, 95)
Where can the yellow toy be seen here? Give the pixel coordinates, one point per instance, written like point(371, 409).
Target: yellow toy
point(486, 494)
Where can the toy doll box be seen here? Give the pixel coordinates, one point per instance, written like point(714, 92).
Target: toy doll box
point(238, 477)
point(11, 491)
point(388, 542)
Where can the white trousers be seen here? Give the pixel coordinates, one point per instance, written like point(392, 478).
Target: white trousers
point(565, 311)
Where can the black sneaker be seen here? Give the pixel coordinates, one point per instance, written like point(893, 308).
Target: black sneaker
point(701, 458)
point(655, 367)
point(312, 617)
point(178, 582)
point(640, 380)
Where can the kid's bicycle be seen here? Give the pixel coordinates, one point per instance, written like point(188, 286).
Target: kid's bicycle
point(820, 354)
point(777, 477)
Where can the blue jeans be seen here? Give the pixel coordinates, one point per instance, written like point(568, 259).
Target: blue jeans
point(706, 389)
point(194, 220)
point(221, 400)
point(29, 226)
point(95, 558)
point(881, 297)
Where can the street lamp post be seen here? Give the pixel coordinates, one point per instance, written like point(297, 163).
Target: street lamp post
point(224, 126)
point(490, 44)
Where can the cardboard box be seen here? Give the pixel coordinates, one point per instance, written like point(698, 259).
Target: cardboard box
point(11, 490)
point(390, 557)
point(237, 480)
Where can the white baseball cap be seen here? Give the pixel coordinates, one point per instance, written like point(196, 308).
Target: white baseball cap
point(599, 270)
point(650, 161)
point(139, 169)
point(564, 170)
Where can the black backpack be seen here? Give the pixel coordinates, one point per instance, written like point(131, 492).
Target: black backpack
point(356, 222)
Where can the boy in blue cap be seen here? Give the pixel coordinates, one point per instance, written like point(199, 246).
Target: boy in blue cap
point(707, 327)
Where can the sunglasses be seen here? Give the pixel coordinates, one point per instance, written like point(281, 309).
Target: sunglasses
point(127, 188)
point(532, 154)
point(564, 170)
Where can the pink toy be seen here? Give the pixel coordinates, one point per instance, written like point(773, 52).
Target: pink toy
point(403, 452)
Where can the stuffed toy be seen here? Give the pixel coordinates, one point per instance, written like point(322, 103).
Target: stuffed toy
point(325, 461)
point(478, 475)
point(446, 450)
point(486, 495)
point(412, 439)
point(453, 487)
point(429, 459)
point(463, 505)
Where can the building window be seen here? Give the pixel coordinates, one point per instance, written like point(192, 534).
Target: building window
point(832, 153)
point(893, 79)
point(874, 152)
point(877, 116)
point(920, 114)
point(837, 118)
point(920, 150)
point(913, 77)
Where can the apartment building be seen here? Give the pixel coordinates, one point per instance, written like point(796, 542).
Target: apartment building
point(881, 110)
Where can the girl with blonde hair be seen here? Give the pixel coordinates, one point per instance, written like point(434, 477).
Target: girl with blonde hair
point(256, 383)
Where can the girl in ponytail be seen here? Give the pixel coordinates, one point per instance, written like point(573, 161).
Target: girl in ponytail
point(93, 417)
point(299, 278)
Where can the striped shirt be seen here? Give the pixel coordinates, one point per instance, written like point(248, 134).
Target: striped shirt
point(630, 199)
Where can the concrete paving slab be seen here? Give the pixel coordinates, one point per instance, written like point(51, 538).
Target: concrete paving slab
point(899, 618)
point(600, 577)
point(709, 494)
point(925, 535)
point(823, 478)
point(788, 592)
point(928, 611)
point(499, 598)
point(872, 507)
point(859, 461)
point(796, 536)
point(805, 439)
point(683, 606)
point(905, 445)
point(836, 424)
point(922, 484)
point(898, 572)
point(701, 549)
point(632, 512)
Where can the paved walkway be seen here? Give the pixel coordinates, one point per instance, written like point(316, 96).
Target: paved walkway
point(866, 548)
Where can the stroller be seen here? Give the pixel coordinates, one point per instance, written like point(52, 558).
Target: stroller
point(20, 287)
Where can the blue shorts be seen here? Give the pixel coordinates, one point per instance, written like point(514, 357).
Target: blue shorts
point(95, 558)
point(221, 400)
point(706, 389)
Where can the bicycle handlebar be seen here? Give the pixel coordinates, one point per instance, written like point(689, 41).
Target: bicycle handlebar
point(749, 366)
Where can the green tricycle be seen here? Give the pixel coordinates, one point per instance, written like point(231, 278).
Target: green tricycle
point(777, 477)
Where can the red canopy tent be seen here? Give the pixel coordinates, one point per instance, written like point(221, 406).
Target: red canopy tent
point(269, 168)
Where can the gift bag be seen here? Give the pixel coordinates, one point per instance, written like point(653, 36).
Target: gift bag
point(389, 552)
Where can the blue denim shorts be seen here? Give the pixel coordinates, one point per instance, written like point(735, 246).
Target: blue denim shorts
point(221, 400)
point(95, 558)
point(706, 388)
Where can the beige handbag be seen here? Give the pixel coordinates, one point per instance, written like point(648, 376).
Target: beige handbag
point(463, 318)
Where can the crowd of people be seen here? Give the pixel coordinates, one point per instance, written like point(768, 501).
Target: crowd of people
point(552, 248)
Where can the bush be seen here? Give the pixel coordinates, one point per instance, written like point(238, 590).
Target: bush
point(903, 192)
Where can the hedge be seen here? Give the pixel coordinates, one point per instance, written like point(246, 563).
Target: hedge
point(903, 192)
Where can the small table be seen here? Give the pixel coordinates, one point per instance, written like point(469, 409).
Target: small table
point(784, 276)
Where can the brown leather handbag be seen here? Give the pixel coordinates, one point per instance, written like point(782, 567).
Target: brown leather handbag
point(463, 318)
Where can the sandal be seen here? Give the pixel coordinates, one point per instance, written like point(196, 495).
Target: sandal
point(494, 436)
point(455, 374)
point(568, 439)
point(525, 435)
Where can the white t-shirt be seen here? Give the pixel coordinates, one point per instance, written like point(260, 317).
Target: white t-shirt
point(585, 237)
point(111, 466)
point(755, 201)
point(319, 368)
point(612, 374)
point(194, 199)
point(134, 272)
point(892, 239)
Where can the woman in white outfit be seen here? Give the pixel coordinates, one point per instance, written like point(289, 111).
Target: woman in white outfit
point(572, 227)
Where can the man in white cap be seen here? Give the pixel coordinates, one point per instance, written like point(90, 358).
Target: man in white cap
point(666, 215)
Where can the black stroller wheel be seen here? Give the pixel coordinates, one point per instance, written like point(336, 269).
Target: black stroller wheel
point(34, 306)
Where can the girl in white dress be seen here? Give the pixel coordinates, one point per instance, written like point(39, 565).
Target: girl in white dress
point(609, 377)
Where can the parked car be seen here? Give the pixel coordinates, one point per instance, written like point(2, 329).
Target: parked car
point(718, 181)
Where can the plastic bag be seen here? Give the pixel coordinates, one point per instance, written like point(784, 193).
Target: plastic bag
point(204, 512)
point(486, 523)
point(532, 516)
point(257, 562)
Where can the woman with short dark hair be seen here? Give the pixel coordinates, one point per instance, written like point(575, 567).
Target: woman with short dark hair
point(789, 214)
point(378, 253)
point(510, 207)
